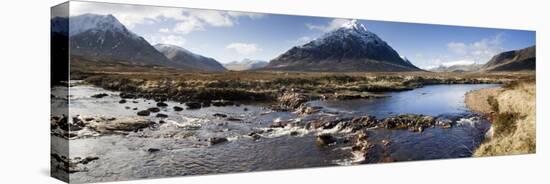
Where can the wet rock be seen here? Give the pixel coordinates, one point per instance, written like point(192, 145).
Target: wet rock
point(88, 119)
point(134, 101)
point(162, 104)
point(255, 135)
point(245, 109)
point(154, 109)
point(279, 124)
point(88, 159)
point(100, 95)
point(178, 108)
point(77, 124)
point(412, 122)
point(127, 107)
point(71, 165)
point(325, 140)
point(233, 119)
point(444, 123)
point(144, 113)
point(123, 101)
point(219, 115)
point(153, 150)
point(127, 95)
point(361, 145)
point(135, 109)
point(358, 123)
point(193, 105)
point(217, 140)
point(59, 122)
point(294, 133)
point(121, 125)
point(326, 122)
point(307, 110)
point(160, 115)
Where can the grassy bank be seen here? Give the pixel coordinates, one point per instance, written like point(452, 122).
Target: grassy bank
point(512, 113)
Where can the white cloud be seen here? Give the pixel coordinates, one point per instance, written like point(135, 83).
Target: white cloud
point(332, 25)
point(479, 51)
point(166, 39)
point(129, 15)
point(243, 48)
point(164, 30)
point(187, 20)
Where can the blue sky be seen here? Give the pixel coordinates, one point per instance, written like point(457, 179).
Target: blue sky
point(228, 36)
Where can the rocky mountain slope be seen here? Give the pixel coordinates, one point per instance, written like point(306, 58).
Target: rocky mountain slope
point(183, 58)
point(515, 60)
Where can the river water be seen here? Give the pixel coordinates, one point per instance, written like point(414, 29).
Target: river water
point(185, 151)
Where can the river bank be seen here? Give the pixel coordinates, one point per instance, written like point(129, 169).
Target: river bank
point(511, 110)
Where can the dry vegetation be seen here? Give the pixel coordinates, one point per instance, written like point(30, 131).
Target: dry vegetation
point(513, 130)
point(177, 85)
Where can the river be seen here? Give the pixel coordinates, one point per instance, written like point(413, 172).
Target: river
point(185, 151)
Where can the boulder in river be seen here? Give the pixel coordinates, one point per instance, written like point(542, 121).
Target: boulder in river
point(100, 95)
point(413, 122)
point(361, 122)
point(153, 150)
point(154, 109)
point(290, 101)
point(307, 110)
point(127, 95)
point(160, 115)
point(220, 115)
point(325, 140)
point(217, 140)
point(143, 113)
point(105, 126)
point(162, 104)
point(193, 105)
point(122, 101)
point(178, 108)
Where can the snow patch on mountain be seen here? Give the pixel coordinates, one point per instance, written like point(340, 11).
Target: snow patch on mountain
point(98, 23)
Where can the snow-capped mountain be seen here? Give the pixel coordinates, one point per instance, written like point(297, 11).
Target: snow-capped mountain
point(104, 23)
point(456, 68)
point(184, 58)
point(349, 48)
point(103, 38)
point(245, 64)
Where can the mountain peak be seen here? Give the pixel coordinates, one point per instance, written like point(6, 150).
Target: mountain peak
point(354, 25)
point(95, 22)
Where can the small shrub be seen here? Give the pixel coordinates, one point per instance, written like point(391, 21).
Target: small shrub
point(493, 103)
point(505, 123)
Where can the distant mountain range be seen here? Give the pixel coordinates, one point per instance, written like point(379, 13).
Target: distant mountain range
point(186, 59)
point(245, 64)
point(457, 68)
point(515, 60)
point(103, 38)
point(349, 48)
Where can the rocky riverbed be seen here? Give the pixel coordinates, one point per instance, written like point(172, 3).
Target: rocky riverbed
point(116, 135)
